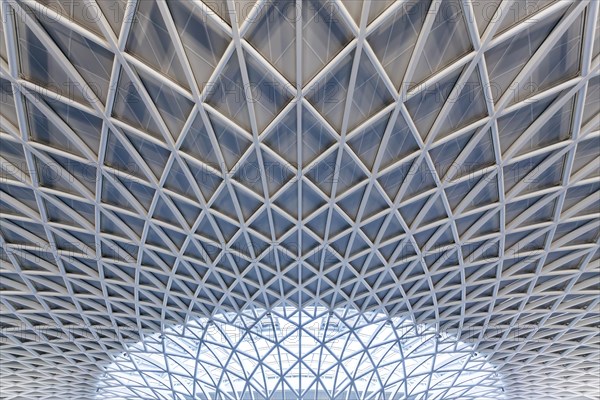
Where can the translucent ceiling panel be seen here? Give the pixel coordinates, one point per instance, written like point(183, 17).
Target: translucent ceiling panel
point(371, 93)
point(78, 11)
point(394, 40)
point(92, 61)
point(521, 10)
point(265, 91)
point(203, 40)
point(227, 94)
point(329, 94)
point(149, 41)
point(447, 40)
point(503, 70)
point(39, 66)
point(273, 34)
point(322, 36)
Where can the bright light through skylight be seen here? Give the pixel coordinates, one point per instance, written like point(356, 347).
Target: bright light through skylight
point(292, 354)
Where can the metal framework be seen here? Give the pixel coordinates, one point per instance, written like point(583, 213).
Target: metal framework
point(434, 161)
point(270, 355)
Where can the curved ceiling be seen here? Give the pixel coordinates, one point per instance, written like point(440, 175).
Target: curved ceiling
point(299, 354)
point(436, 161)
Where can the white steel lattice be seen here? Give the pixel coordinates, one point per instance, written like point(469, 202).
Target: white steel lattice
point(435, 161)
point(293, 354)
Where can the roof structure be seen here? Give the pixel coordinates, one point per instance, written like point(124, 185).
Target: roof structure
point(310, 353)
point(431, 162)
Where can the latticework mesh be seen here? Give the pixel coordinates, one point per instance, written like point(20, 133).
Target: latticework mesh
point(166, 161)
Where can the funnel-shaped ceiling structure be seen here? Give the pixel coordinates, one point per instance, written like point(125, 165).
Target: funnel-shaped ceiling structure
point(432, 162)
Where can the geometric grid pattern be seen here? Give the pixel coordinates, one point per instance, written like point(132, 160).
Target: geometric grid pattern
point(432, 160)
point(300, 354)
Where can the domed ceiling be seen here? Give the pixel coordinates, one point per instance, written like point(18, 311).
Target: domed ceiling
point(435, 162)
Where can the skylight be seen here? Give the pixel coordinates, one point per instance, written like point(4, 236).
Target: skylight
point(300, 354)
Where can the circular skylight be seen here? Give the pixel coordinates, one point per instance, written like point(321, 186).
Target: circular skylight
point(291, 354)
